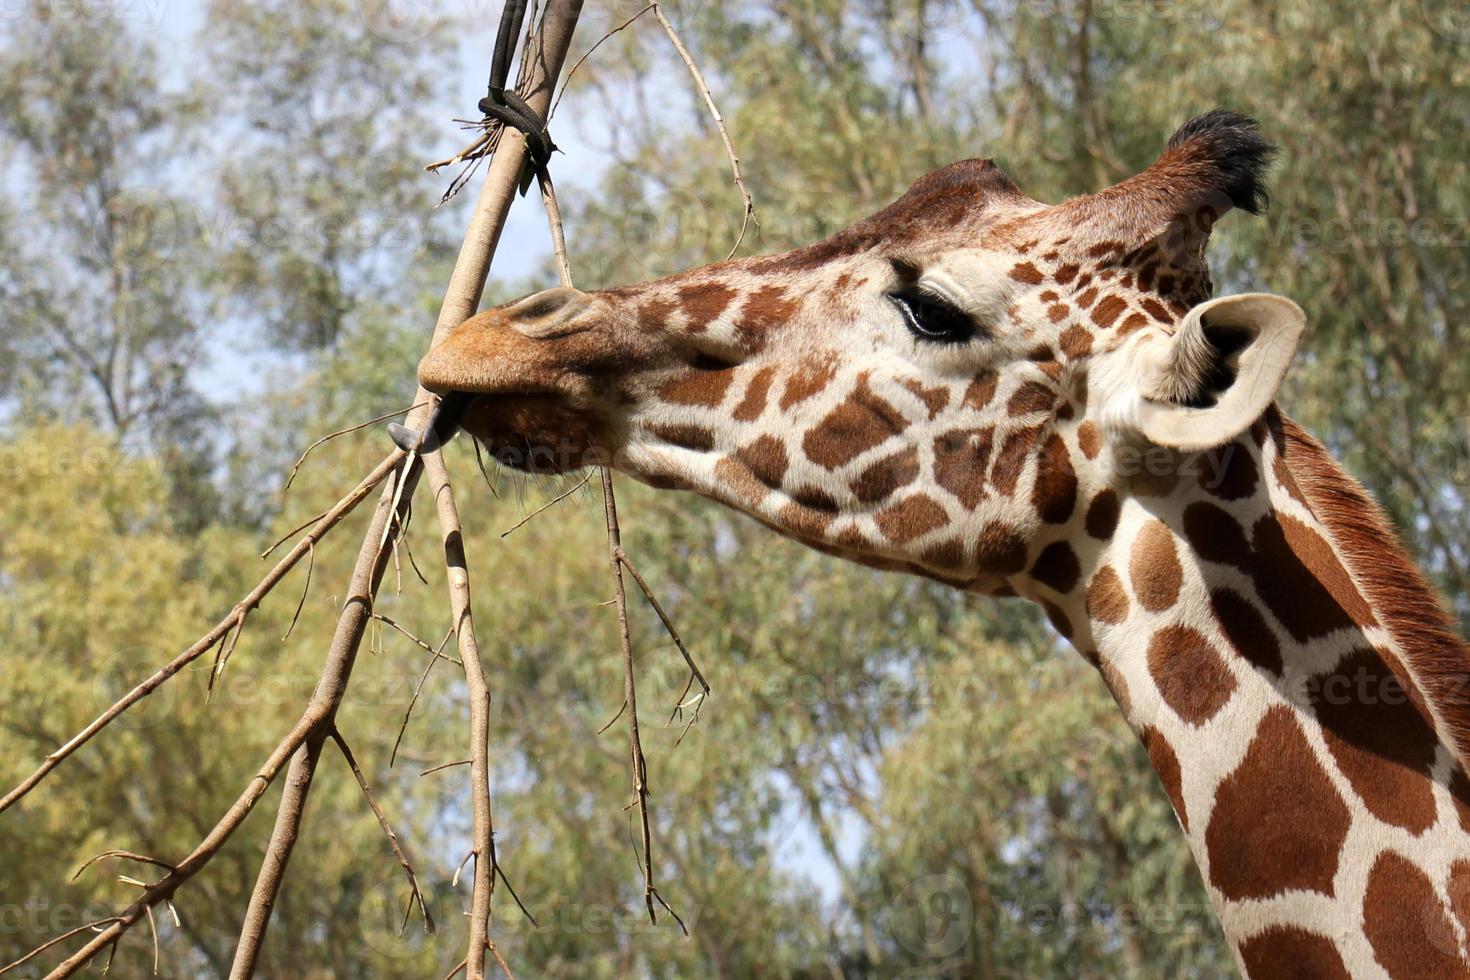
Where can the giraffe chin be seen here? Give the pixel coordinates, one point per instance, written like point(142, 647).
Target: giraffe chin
point(534, 433)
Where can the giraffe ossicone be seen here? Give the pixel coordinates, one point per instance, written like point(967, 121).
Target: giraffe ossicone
point(1043, 400)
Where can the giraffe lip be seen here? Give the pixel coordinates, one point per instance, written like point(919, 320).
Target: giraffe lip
point(537, 432)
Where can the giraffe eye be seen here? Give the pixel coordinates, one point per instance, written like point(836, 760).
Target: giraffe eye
point(932, 318)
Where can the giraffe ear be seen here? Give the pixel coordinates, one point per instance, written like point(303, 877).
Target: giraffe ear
point(1219, 371)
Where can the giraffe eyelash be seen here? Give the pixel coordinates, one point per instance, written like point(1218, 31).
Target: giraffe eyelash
point(932, 317)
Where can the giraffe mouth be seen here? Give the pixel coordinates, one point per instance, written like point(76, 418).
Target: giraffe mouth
point(534, 432)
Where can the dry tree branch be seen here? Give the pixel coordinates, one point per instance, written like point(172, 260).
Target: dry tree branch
point(163, 889)
point(714, 111)
point(630, 701)
point(325, 523)
point(413, 882)
point(619, 559)
point(482, 821)
point(435, 654)
point(462, 297)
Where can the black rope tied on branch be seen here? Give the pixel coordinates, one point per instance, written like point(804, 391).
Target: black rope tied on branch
point(506, 105)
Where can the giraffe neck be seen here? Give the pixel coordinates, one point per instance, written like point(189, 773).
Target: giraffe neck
point(1298, 691)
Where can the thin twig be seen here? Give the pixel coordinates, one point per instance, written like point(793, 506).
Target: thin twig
point(367, 793)
point(694, 672)
point(548, 505)
point(714, 111)
point(416, 641)
point(438, 654)
point(621, 27)
point(290, 477)
point(630, 691)
point(305, 588)
point(125, 855)
point(207, 642)
point(495, 952)
point(86, 927)
point(447, 765)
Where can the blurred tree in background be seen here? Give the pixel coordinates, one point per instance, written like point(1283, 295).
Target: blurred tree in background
point(891, 779)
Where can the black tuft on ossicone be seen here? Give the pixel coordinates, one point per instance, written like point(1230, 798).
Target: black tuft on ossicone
point(1232, 144)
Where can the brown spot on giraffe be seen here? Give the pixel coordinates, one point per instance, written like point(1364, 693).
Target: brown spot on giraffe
point(695, 437)
point(960, 459)
point(861, 422)
point(765, 309)
point(807, 380)
point(703, 303)
point(1278, 822)
point(1215, 535)
point(1089, 439)
point(753, 402)
point(1153, 566)
point(1054, 494)
point(1102, 514)
point(980, 391)
point(1302, 582)
point(934, 399)
point(1031, 398)
point(1057, 567)
point(1107, 601)
point(653, 315)
point(1379, 738)
point(884, 478)
point(1292, 953)
point(740, 481)
point(1166, 765)
point(1234, 477)
point(1027, 273)
point(697, 387)
point(1108, 309)
point(1246, 629)
point(1406, 924)
point(1190, 674)
point(1057, 618)
point(1157, 310)
point(910, 518)
point(1001, 549)
point(1076, 341)
point(765, 458)
point(1010, 461)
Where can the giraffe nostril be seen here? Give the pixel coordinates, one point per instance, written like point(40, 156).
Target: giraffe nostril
point(541, 314)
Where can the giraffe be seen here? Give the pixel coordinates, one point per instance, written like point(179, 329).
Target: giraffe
point(1044, 401)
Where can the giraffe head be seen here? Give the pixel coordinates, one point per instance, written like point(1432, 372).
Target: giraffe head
point(942, 388)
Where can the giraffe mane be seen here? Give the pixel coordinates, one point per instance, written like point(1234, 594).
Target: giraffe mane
point(1395, 586)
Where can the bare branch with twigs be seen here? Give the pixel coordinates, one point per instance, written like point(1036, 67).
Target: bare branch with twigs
point(205, 643)
point(714, 111)
point(416, 894)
